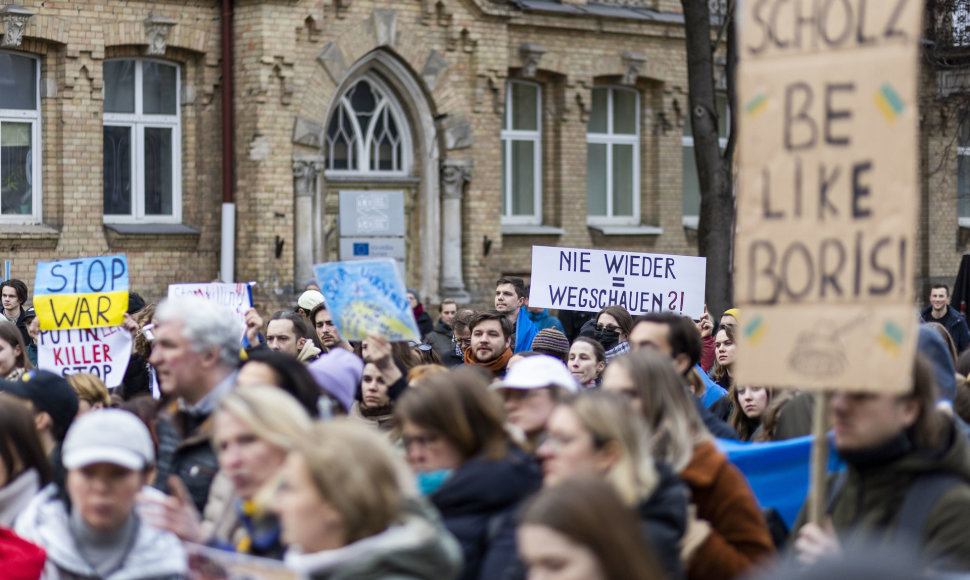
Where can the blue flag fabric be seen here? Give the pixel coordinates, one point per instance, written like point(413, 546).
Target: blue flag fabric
point(777, 471)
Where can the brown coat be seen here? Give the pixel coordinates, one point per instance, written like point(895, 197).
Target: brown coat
point(739, 535)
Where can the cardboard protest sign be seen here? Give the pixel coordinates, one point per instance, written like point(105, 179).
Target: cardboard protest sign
point(213, 564)
point(828, 193)
point(238, 297)
point(102, 352)
point(81, 293)
point(590, 280)
point(367, 296)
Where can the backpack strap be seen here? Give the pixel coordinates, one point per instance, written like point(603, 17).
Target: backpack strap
point(919, 501)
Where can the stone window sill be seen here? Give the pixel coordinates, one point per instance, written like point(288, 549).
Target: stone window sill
point(172, 237)
point(511, 230)
point(628, 230)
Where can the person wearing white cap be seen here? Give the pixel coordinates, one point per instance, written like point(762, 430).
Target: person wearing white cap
point(307, 302)
point(531, 389)
point(94, 531)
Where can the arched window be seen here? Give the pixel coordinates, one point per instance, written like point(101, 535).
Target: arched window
point(367, 133)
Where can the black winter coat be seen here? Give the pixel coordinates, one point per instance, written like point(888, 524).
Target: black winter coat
point(663, 518)
point(478, 504)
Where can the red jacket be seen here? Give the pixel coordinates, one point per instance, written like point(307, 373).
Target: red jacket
point(21, 559)
point(739, 535)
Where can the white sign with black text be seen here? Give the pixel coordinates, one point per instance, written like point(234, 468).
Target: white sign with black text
point(102, 352)
point(589, 280)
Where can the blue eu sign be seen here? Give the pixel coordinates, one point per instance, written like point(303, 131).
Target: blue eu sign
point(362, 249)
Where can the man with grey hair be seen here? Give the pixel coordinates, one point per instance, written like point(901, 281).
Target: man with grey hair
point(195, 354)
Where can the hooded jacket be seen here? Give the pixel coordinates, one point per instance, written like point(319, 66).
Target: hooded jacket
point(739, 535)
point(872, 497)
point(417, 548)
point(155, 554)
point(663, 518)
point(478, 504)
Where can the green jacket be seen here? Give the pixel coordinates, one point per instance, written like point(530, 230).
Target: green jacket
point(872, 500)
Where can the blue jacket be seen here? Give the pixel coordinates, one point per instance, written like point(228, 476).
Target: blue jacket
point(478, 504)
point(543, 320)
point(713, 391)
point(525, 331)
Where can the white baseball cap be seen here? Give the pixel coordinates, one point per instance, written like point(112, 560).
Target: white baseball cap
point(108, 436)
point(538, 372)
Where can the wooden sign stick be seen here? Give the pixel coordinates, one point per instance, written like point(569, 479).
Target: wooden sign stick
point(820, 458)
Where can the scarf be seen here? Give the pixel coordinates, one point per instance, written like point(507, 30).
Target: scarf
point(497, 366)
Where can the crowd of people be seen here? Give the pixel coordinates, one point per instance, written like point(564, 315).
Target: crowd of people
point(506, 443)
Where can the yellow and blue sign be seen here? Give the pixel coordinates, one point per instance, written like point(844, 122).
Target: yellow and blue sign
point(81, 293)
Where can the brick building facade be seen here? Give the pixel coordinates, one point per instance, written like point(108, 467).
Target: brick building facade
point(429, 98)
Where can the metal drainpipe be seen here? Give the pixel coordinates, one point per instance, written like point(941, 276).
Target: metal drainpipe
point(228, 240)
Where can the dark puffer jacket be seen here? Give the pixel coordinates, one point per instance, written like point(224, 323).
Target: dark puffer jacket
point(663, 517)
point(478, 504)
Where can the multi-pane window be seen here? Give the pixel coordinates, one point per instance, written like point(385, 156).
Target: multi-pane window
point(367, 132)
point(691, 185)
point(613, 156)
point(19, 138)
point(963, 171)
point(142, 140)
point(522, 154)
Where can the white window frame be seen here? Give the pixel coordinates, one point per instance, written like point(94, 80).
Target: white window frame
point(138, 122)
point(610, 139)
point(508, 136)
point(963, 150)
point(691, 221)
point(364, 142)
point(36, 153)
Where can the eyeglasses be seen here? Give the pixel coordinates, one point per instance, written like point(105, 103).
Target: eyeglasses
point(419, 345)
point(419, 440)
point(607, 328)
point(462, 341)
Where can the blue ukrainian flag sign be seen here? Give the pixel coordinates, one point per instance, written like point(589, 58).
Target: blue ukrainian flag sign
point(81, 293)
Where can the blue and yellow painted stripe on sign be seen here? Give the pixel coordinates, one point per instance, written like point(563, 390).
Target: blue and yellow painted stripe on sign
point(754, 331)
point(81, 293)
point(891, 338)
point(889, 102)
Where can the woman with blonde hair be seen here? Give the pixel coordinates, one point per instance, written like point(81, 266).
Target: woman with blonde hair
point(254, 427)
point(598, 433)
point(91, 392)
point(730, 530)
point(348, 510)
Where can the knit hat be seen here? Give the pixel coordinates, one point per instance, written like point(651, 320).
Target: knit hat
point(338, 372)
point(309, 299)
point(734, 312)
point(552, 342)
point(415, 293)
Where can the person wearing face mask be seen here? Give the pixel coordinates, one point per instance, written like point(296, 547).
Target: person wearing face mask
point(467, 465)
point(612, 330)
